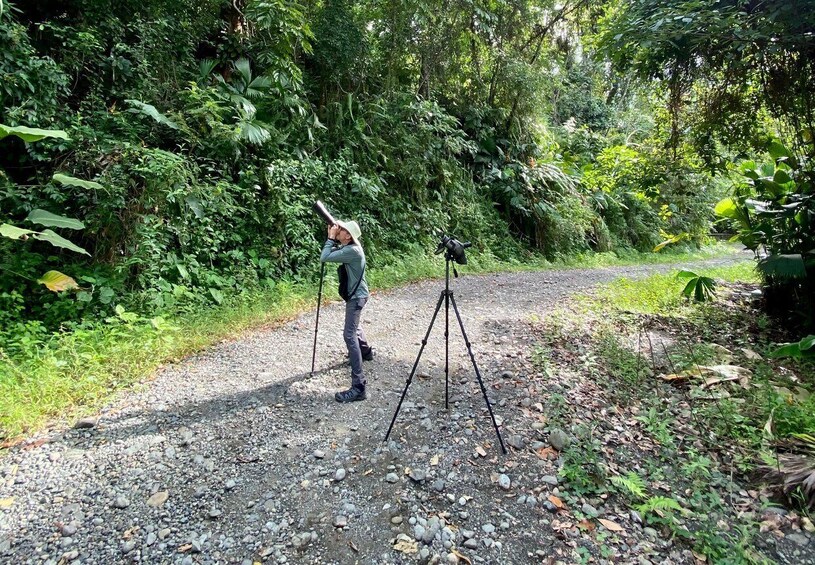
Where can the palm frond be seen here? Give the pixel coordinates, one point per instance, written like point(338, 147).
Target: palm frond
point(789, 266)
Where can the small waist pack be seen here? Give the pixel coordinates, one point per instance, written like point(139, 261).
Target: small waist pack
point(342, 274)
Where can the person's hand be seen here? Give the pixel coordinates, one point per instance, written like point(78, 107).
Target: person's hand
point(333, 231)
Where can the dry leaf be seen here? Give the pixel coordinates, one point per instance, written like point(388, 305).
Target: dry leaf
point(6, 502)
point(586, 525)
point(185, 547)
point(556, 501)
point(547, 453)
point(462, 557)
point(480, 451)
point(406, 546)
point(613, 526)
point(368, 472)
point(434, 460)
point(353, 546)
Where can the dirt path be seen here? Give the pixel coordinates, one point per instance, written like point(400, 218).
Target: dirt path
point(236, 455)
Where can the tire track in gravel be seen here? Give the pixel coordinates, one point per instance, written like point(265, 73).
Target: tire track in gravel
point(260, 464)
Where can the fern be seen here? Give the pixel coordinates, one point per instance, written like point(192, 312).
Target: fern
point(656, 503)
point(631, 482)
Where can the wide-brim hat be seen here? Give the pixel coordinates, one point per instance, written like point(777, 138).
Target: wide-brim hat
point(353, 228)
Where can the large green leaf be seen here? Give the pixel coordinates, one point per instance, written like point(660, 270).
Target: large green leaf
point(73, 181)
point(139, 107)
point(787, 266)
point(13, 232)
point(58, 241)
point(47, 219)
point(31, 134)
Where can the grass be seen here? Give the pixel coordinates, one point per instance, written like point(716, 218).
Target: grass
point(729, 419)
point(74, 373)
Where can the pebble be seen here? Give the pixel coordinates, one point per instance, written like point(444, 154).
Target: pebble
point(340, 521)
point(504, 482)
point(589, 510)
point(158, 498)
point(417, 475)
point(471, 543)
point(550, 480)
point(85, 423)
point(558, 439)
point(391, 477)
point(517, 441)
point(438, 485)
point(339, 475)
point(121, 502)
point(319, 454)
point(230, 484)
point(396, 520)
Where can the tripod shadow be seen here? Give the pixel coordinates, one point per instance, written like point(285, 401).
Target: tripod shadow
point(146, 421)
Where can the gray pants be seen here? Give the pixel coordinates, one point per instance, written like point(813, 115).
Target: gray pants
point(355, 340)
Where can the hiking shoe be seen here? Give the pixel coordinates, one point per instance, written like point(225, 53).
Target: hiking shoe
point(351, 395)
point(368, 356)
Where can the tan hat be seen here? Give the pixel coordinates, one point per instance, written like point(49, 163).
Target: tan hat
point(353, 228)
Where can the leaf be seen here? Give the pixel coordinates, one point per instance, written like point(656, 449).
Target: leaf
point(217, 295)
point(586, 525)
point(195, 206)
point(6, 502)
point(405, 545)
point(686, 275)
point(480, 451)
point(73, 181)
point(57, 282)
point(58, 241)
point(13, 232)
point(45, 218)
point(612, 526)
point(556, 501)
point(788, 266)
point(31, 134)
point(139, 107)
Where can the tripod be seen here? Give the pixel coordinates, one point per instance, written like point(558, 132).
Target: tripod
point(448, 298)
point(317, 320)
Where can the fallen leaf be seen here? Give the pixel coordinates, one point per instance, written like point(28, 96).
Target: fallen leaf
point(613, 526)
point(368, 472)
point(480, 451)
point(185, 547)
point(462, 557)
point(406, 546)
point(353, 546)
point(547, 453)
point(434, 460)
point(6, 502)
point(586, 525)
point(556, 501)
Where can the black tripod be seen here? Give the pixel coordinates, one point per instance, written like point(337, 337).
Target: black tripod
point(317, 320)
point(447, 298)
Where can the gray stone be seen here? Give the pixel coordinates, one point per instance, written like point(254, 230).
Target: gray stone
point(507, 375)
point(635, 517)
point(319, 454)
point(418, 532)
point(151, 539)
point(214, 513)
point(396, 520)
point(488, 528)
point(471, 543)
point(85, 423)
point(504, 482)
point(68, 530)
point(589, 510)
point(230, 484)
point(340, 521)
point(550, 480)
point(391, 477)
point(438, 485)
point(517, 441)
point(417, 475)
point(339, 474)
point(800, 539)
point(558, 439)
point(121, 502)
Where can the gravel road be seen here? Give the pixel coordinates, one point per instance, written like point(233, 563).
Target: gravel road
point(238, 455)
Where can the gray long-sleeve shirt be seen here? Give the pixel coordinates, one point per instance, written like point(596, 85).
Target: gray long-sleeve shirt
point(353, 257)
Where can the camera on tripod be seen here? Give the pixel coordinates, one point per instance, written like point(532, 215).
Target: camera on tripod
point(455, 248)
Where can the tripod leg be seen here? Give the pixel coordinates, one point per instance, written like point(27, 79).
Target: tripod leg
point(447, 350)
point(415, 364)
point(477, 373)
point(317, 321)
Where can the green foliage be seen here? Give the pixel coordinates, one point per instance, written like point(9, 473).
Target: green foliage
point(801, 349)
point(659, 503)
point(631, 483)
point(700, 288)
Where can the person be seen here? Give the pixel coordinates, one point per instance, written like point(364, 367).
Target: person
point(343, 246)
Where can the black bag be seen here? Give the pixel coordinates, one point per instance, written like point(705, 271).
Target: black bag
point(342, 274)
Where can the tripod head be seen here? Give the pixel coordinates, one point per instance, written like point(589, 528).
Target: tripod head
point(453, 248)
